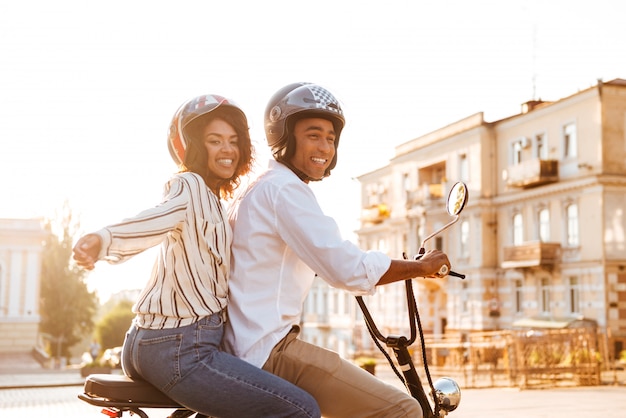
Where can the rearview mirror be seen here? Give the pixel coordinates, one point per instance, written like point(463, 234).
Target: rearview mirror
point(457, 199)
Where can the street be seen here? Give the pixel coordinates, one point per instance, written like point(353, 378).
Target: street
point(53, 402)
point(44, 402)
point(577, 402)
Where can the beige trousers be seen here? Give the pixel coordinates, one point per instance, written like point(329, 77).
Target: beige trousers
point(341, 389)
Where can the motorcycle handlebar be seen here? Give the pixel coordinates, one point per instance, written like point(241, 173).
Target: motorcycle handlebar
point(455, 274)
point(445, 271)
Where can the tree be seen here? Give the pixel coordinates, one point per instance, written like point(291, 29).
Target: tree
point(111, 329)
point(67, 307)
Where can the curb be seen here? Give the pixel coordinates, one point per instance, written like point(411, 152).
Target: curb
point(24, 379)
point(42, 386)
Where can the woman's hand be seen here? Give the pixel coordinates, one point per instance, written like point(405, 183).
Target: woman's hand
point(86, 251)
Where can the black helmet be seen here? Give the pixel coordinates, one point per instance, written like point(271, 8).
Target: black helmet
point(190, 111)
point(293, 102)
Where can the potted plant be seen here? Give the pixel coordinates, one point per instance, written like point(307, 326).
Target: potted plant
point(367, 363)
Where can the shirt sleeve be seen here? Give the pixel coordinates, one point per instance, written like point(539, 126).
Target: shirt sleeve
point(148, 228)
point(316, 239)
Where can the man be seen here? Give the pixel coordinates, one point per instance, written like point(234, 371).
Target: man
point(282, 239)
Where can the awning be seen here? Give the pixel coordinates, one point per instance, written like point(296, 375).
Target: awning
point(554, 323)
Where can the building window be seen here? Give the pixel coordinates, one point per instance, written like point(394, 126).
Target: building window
point(439, 243)
point(574, 295)
point(463, 168)
point(376, 194)
point(544, 224)
point(3, 309)
point(516, 152)
point(545, 295)
point(518, 229)
point(571, 216)
point(541, 147)
point(382, 245)
point(465, 233)
point(464, 298)
point(406, 186)
point(570, 142)
point(313, 301)
point(519, 296)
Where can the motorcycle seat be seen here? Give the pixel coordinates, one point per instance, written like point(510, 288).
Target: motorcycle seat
point(123, 389)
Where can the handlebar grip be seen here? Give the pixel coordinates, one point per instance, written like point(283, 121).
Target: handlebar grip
point(444, 271)
point(455, 274)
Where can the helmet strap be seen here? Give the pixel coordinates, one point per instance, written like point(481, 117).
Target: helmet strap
point(301, 175)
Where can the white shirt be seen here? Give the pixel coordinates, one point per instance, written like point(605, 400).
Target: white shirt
point(281, 238)
point(189, 279)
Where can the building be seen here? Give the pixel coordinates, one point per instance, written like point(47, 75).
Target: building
point(329, 319)
point(20, 268)
point(543, 234)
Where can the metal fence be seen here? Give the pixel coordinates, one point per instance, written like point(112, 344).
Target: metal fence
point(519, 358)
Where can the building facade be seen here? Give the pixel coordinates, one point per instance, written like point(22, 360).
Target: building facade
point(20, 269)
point(543, 234)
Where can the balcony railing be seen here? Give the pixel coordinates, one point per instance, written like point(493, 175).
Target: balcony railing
point(532, 254)
point(375, 214)
point(533, 173)
point(425, 194)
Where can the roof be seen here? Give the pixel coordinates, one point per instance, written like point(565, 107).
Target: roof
point(617, 82)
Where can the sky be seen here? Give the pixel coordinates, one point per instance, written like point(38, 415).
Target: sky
point(88, 88)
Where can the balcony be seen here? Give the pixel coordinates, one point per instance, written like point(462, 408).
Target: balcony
point(318, 320)
point(425, 194)
point(375, 214)
point(533, 173)
point(532, 254)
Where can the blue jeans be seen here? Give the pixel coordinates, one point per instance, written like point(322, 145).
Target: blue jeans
point(187, 364)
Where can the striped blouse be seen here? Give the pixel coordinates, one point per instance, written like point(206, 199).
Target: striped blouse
point(189, 279)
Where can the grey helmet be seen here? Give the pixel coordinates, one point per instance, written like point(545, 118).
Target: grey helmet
point(293, 102)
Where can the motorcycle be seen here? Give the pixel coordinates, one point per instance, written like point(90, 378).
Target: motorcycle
point(445, 392)
point(118, 394)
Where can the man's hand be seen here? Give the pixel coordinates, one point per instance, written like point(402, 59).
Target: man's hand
point(86, 251)
point(427, 266)
point(433, 261)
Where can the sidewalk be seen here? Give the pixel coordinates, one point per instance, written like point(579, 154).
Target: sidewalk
point(23, 371)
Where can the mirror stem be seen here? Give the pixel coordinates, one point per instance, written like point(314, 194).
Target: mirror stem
point(423, 246)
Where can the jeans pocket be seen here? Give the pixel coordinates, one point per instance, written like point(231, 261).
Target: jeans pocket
point(211, 322)
point(160, 360)
point(210, 331)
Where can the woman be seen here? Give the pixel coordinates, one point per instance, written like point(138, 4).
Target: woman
point(174, 341)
